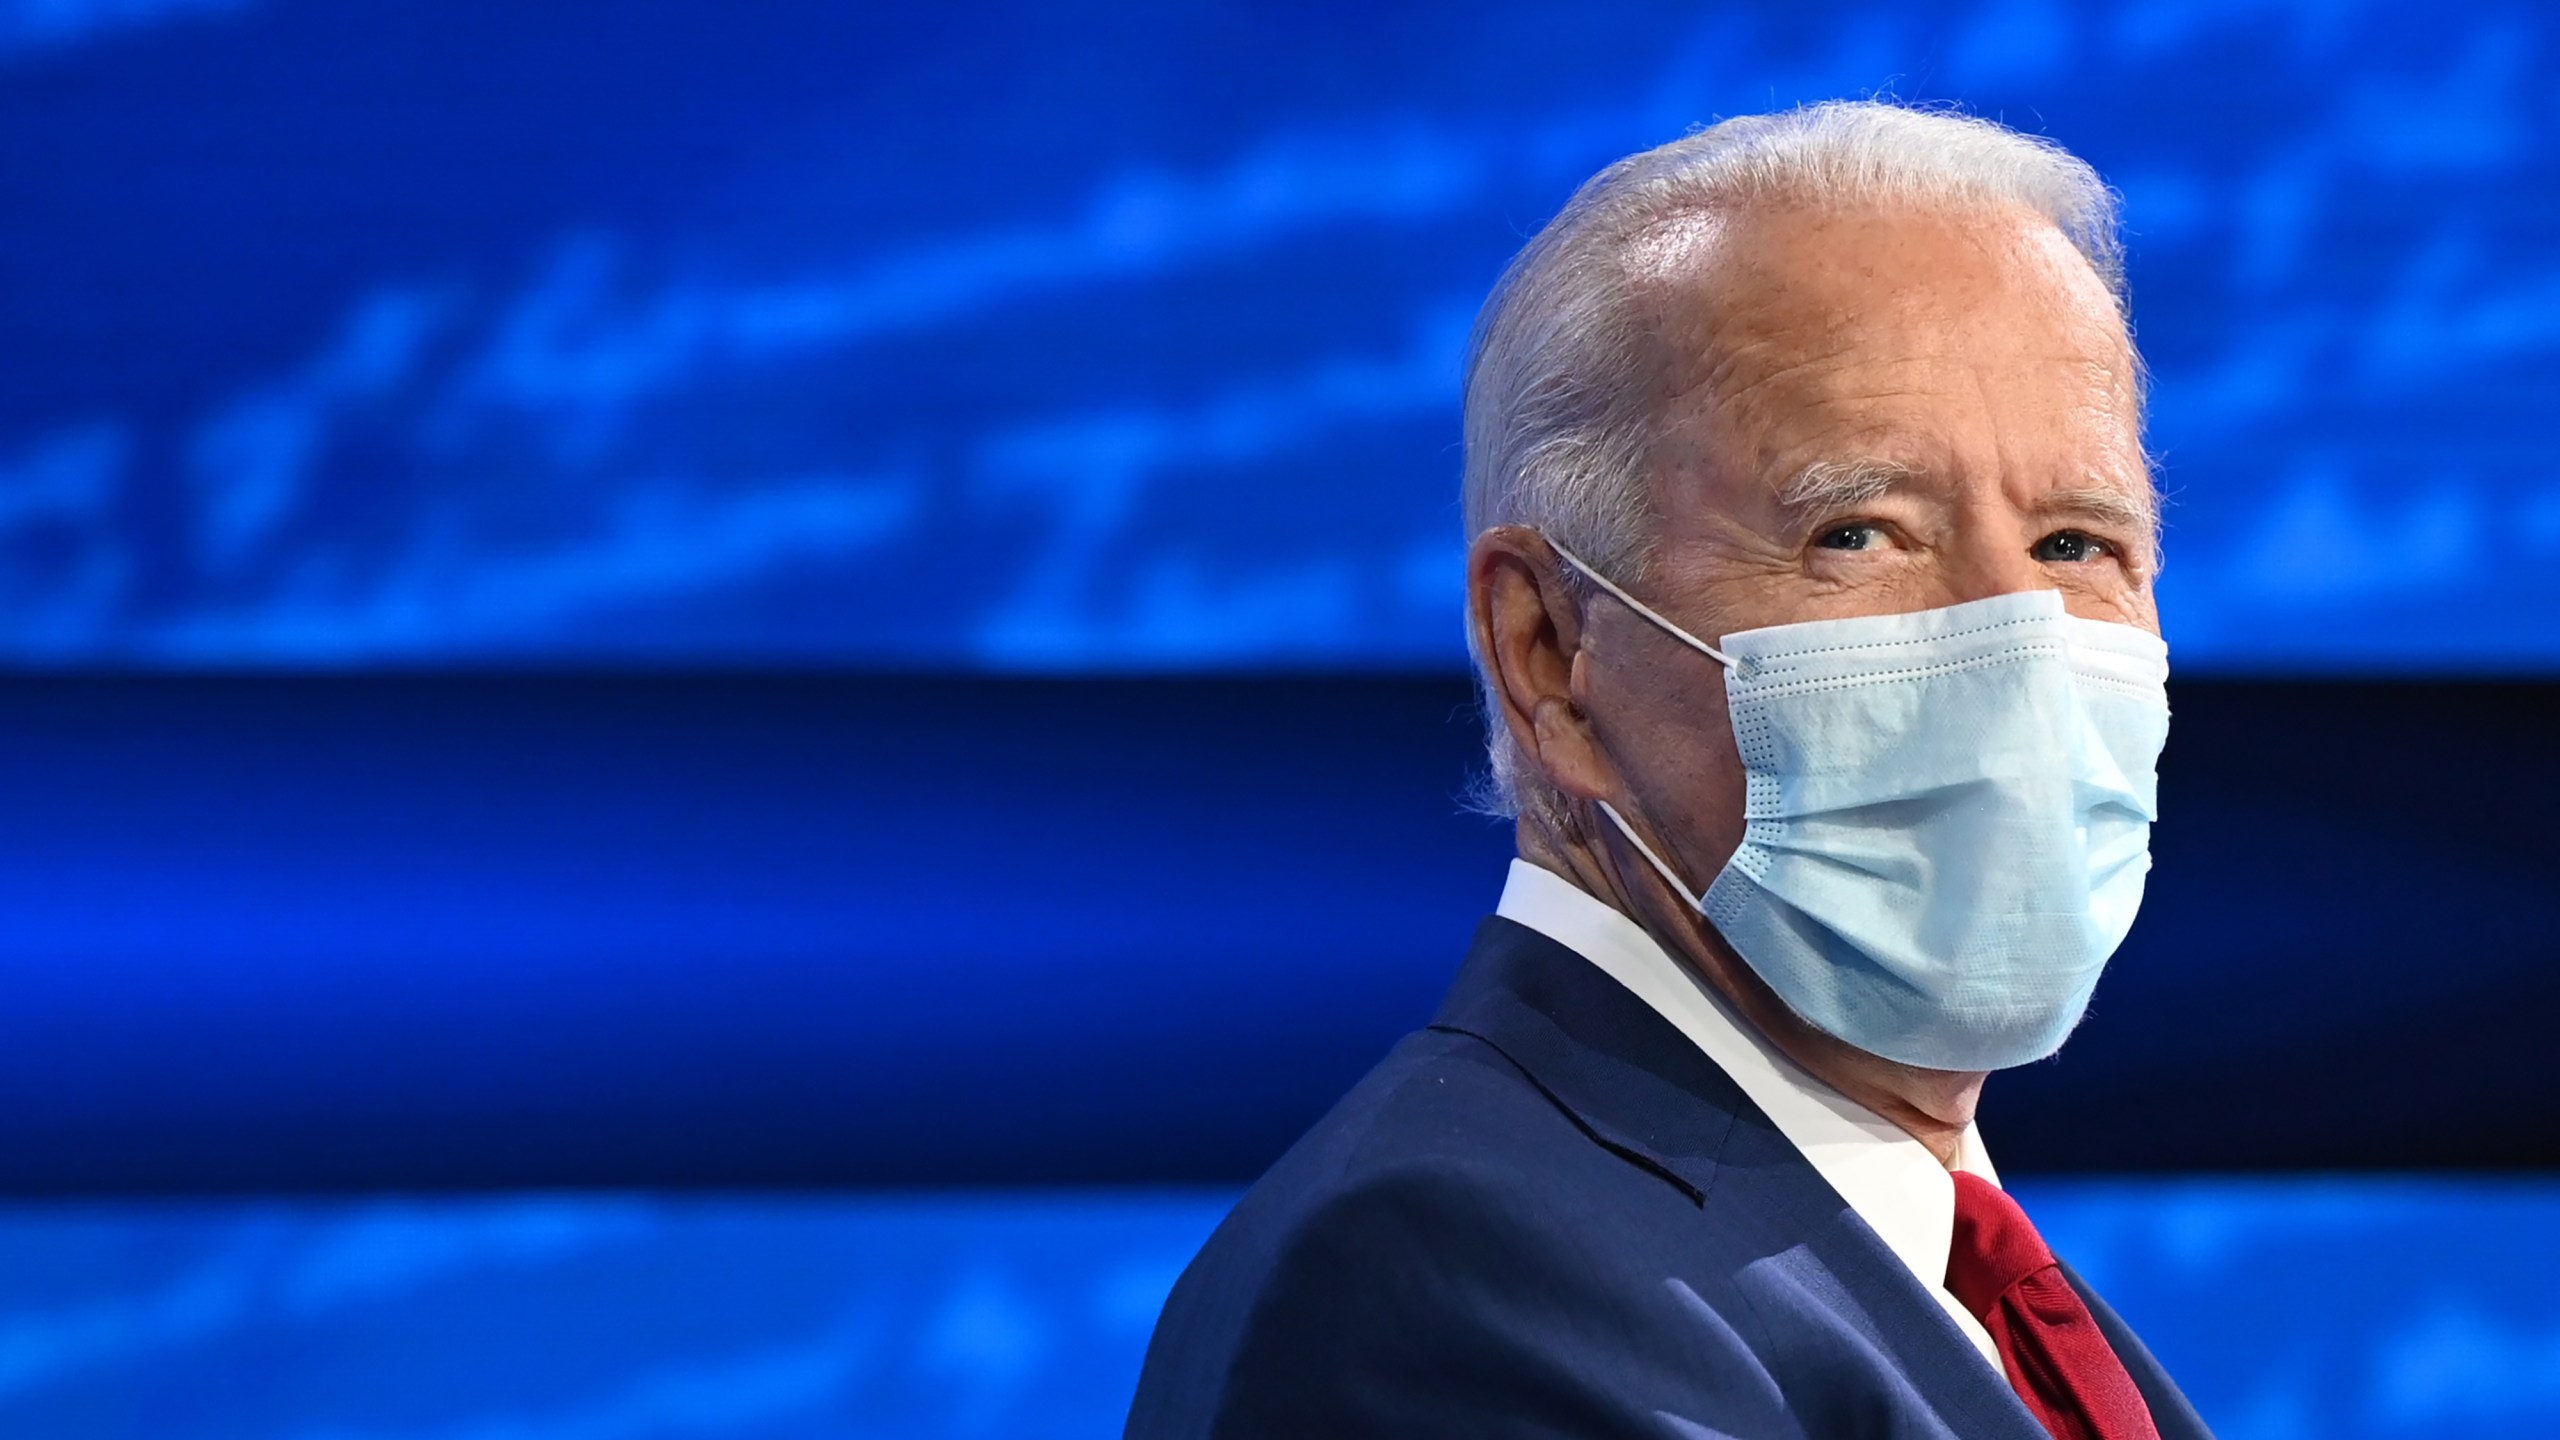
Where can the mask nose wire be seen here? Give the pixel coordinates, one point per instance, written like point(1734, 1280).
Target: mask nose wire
point(1641, 608)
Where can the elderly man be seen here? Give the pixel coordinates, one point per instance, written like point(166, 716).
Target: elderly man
point(1811, 597)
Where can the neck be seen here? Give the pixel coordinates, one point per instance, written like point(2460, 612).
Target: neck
point(1934, 1107)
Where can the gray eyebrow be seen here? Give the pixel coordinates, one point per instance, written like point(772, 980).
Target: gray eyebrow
point(1830, 484)
point(2108, 503)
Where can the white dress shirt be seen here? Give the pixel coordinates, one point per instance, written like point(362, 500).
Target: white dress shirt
point(1890, 1179)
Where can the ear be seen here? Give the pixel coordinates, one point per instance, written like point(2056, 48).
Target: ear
point(1527, 625)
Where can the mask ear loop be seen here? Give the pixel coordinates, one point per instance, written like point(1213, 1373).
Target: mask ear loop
point(1679, 887)
point(1663, 868)
point(1647, 611)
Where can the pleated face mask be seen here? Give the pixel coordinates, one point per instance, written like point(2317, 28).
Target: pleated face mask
point(1947, 819)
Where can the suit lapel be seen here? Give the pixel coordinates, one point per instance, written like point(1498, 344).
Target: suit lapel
point(1642, 1090)
point(1627, 1076)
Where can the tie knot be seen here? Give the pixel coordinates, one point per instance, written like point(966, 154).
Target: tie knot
point(1995, 1247)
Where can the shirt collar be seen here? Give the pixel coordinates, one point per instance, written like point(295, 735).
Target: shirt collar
point(1890, 1179)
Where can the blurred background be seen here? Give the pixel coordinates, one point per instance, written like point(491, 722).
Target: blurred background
point(713, 713)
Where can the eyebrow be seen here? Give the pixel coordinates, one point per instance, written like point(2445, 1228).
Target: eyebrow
point(1831, 484)
point(2106, 503)
point(1836, 484)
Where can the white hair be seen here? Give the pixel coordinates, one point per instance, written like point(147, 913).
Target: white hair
point(1559, 400)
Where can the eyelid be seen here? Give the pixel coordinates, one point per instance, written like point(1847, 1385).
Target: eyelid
point(2124, 532)
point(1845, 520)
point(2134, 561)
point(1813, 539)
point(2097, 535)
point(1880, 510)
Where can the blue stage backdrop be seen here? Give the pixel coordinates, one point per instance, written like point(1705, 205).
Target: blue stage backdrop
point(965, 361)
point(1021, 337)
point(2289, 1310)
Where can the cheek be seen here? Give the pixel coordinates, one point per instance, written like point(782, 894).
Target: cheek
point(2146, 610)
point(1671, 739)
point(2113, 596)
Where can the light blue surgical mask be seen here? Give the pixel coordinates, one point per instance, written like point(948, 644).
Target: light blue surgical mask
point(1947, 819)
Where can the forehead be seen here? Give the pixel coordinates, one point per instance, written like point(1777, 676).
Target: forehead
point(1945, 340)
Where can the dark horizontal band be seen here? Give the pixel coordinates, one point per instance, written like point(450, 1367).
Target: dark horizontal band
point(464, 931)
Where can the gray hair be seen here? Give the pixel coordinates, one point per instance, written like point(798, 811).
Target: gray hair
point(1559, 411)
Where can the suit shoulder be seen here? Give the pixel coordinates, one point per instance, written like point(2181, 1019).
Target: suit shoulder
point(1442, 1103)
point(1445, 1119)
point(1397, 1298)
point(1447, 1219)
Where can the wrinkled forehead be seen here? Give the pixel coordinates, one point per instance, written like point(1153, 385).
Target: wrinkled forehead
point(1784, 335)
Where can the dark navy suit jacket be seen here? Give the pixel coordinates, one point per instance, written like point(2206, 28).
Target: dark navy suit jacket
point(1550, 1214)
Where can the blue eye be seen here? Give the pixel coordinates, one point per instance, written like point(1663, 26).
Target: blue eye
point(1859, 536)
point(2070, 547)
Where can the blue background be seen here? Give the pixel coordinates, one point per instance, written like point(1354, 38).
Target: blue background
point(709, 712)
point(1017, 338)
point(2289, 1311)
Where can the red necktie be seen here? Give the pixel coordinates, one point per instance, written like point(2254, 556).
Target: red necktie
point(2058, 1360)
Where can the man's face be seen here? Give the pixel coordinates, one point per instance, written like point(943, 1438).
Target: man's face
point(1862, 414)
